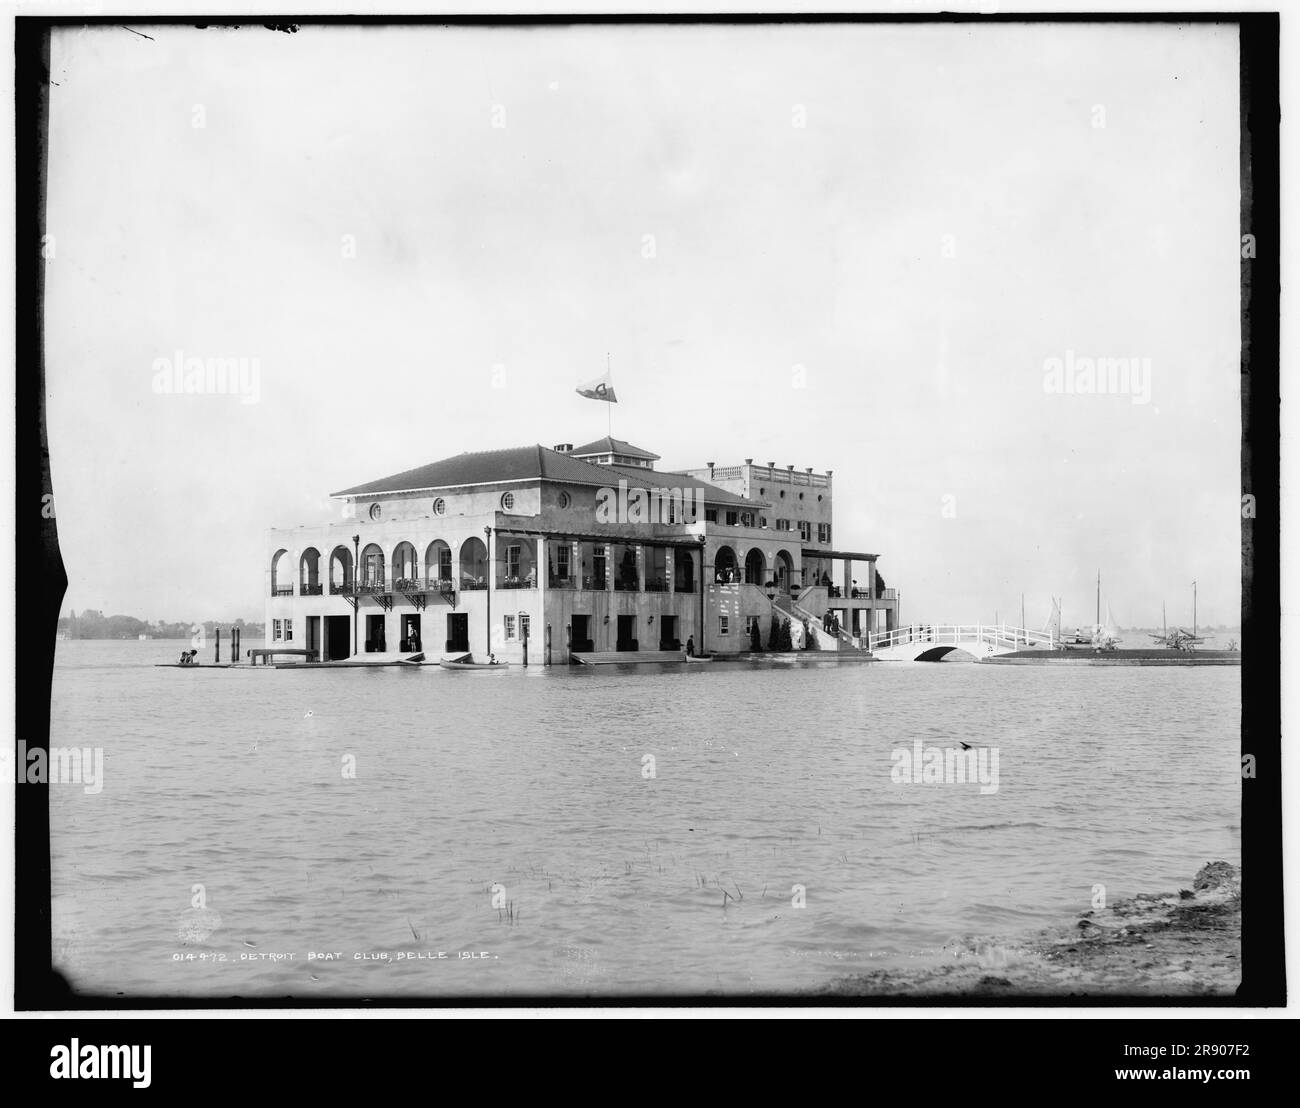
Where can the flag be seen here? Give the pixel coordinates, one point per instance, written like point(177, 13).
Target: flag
point(602, 388)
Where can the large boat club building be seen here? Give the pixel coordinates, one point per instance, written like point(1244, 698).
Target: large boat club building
point(576, 551)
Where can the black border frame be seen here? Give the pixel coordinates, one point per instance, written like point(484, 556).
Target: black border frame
point(38, 986)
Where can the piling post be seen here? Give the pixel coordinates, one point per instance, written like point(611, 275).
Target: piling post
point(217, 657)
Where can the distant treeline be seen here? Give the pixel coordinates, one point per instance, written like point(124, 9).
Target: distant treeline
point(91, 624)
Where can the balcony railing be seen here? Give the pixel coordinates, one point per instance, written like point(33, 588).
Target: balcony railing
point(529, 582)
point(684, 586)
point(472, 584)
point(595, 581)
point(340, 588)
point(440, 584)
point(281, 590)
point(627, 584)
point(310, 590)
point(555, 581)
point(372, 587)
point(658, 584)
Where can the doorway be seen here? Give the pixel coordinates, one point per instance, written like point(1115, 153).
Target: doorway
point(581, 633)
point(668, 633)
point(338, 638)
point(457, 632)
point(313, 636)
point(411, 639)
point(626, 633)
point(375, 634)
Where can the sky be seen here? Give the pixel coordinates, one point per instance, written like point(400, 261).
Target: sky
point(878, 250)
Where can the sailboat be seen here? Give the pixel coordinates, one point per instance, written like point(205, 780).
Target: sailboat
point(1099, 636)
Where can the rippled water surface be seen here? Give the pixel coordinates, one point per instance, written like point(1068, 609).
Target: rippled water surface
point(534, 783)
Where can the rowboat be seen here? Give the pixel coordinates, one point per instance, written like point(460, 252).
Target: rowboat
point(467, 662)
point(699, 657)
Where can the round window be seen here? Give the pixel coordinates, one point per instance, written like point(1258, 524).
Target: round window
point(507, 501)
point(439, 506)
point(801, 496)
point(565, 500)
point(376, 511)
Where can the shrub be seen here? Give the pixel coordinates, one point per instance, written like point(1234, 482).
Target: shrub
point(784, 641)
point(755, 639)
point(773, 633)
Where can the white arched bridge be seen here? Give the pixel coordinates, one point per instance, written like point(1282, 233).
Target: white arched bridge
point(925, 642)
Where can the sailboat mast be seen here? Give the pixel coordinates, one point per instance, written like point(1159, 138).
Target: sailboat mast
point(1098, 598)
point(1193, 609)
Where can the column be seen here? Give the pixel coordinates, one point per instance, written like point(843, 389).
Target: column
point(670, 567)
point(537, 633)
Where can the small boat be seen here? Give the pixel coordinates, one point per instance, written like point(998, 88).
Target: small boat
point(699, 657)
point(467, 662)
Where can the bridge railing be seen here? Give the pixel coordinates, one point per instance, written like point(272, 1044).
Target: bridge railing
point(963, 634)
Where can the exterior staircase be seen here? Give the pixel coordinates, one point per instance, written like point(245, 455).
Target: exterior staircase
point(786, 608)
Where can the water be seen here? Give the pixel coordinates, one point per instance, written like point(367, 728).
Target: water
point(607, 881)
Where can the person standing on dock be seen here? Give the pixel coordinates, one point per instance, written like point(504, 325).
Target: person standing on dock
point(690, 646)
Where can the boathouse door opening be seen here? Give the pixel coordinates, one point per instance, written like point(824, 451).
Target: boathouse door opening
point(313, 634)
point(457, 632)
point(668, 633)
point(581, 633)
point(338, 638)
point(375, 640)
point(626, 633)
point(412, 639)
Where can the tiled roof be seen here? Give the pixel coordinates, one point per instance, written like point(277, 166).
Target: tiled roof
point(485, 467)
point(610, 445)
point(525, 463)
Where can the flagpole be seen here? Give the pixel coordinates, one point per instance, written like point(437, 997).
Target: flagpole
point(609, 408)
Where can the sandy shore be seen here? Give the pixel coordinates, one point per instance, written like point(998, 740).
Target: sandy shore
point(1184, 943)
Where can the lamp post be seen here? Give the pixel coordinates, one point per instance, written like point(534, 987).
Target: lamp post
point(702, 579)
point(487, 544)
point(356, 599)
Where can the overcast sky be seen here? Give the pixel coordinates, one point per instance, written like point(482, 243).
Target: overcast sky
point(853, 247)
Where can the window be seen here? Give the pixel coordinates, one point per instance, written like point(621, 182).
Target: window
point(439, 506)
point(801, 496)
point(750, 623)
point(444, 563)
point(723, 625)
point(783, 525)
point(562, 562)
point(512, 561)
point(733, 518)
point(523, 625)
point(762, 522)
point(762, 492)
point(509, 623)
point(823, 532)
point(507, 501)
point(805, 530)
point(376, 511)
point(288, 630)
point(710, 515)
point(277, 631)
point(783, 492)
point(565, 500)
point(747, 519)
